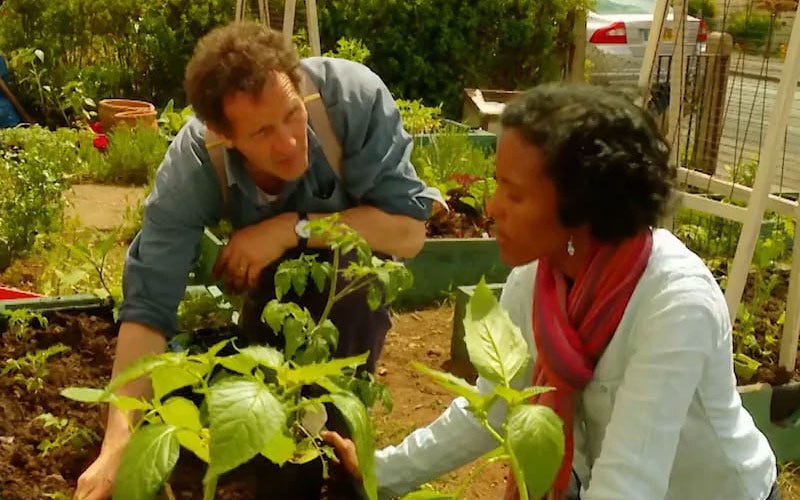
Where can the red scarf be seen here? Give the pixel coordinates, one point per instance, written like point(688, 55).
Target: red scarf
point(572, 329)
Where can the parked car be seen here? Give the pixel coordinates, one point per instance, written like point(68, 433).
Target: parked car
point(617, 32)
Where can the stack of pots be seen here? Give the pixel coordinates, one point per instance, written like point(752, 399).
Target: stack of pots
point(128, 112)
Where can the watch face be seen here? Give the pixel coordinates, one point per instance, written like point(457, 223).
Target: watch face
point(301, 229)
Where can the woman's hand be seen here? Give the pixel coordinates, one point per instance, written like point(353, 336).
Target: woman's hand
point(345, 450)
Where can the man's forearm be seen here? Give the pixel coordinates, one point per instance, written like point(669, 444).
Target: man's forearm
point(134, 341)
point(397, 235)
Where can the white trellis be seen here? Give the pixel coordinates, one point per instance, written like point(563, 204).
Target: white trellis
point(288, 19)
point(757, 198)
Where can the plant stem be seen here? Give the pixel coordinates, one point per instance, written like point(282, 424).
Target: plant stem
point(209, 487)
point(332, 291)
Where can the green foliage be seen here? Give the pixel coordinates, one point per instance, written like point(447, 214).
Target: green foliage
point(254, 398)
point(65, 431)
point(505, 44)
point(203, 310)
point(31, 369)
point(418, 118)
point(62, 103)
point(750, 28)
point(458, 168)
point(131, 158)
point(532, 436)
point(703, 9)
point(171, 120)
point(35, 165)
point(117, 48)
point(18, 320)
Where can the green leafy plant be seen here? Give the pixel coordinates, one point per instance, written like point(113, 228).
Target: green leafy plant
point(131, 158)
point(531, 437)
point(31, 369)
point(19, 320)
point(254, 401)
point(170, 121)
point(65, 431)
point(418, 118)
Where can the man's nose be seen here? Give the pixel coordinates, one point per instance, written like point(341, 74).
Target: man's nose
point(284, 140)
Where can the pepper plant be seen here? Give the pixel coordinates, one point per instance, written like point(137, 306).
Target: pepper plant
point(531, 437)
point(253, 400)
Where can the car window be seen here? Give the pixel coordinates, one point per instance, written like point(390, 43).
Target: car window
point(624, 6)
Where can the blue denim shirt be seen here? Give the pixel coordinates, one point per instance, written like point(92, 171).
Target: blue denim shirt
point(186, 195)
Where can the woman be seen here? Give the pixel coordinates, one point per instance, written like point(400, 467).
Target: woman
point(623, 320)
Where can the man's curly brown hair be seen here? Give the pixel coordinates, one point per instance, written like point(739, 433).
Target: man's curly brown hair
point(237, 57)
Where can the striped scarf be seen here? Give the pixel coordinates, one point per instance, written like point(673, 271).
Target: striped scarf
point(572, 328)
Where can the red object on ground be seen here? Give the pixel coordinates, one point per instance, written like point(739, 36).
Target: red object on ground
point(7, 293)
point(100, 141)
point(96, 127)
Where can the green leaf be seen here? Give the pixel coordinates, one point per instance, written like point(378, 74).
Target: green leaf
point(514, 397)
point(454, 384)
point(195, 441)
point(536, 444)
point(374, 296)
point(283, 282)
point(239, 363)
point(167, 378)
point(244, 417)
point(147, 462)
point(355, 413)
point(309, 374)
point(138, 369)
point(428, 495)
point(264, 355)
point(319, 273)
point(86, 394)
point(181, 413)
point(495, 345)
point(299, 281)
point(280, 448)
point(128, 403)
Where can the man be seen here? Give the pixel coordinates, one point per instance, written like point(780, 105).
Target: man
point(247, 88)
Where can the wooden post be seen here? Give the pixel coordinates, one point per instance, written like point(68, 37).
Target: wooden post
point(288, 20)
point(576, 66)
point(791, 326)
point(677, 80)
point(715, 86)
point(770, 155)
point(313, 27)
point(651, 50)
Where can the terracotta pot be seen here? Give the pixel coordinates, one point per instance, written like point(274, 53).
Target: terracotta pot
point(137, 118)
point(107, 109)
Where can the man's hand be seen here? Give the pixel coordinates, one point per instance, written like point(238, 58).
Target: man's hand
point(253, 248)
point(345, 451)
point(97, 482)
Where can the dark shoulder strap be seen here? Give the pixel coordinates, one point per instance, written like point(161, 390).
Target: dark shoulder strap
point(216, 151)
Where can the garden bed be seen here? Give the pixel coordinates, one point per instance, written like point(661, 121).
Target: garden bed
point(26, 473)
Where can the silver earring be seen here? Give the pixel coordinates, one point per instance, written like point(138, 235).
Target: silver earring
point(570, 247)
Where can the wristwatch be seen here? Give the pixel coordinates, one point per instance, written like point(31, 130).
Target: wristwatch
point(301, 230)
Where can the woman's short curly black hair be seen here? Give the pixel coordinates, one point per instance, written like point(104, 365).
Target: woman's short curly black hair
point(609, 162)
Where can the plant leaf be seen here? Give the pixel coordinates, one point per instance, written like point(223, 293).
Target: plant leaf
point(495, 345)
point(355, 413)
point(181, 413)
point(86, 394)
point(514, 397)
point(264, 355)
point(280, 448)
point(167, 378)
point(195, 442)
point(309, 374)
point(147, 462)
point(244, 417)
point(535, 438)
point(453, 384)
